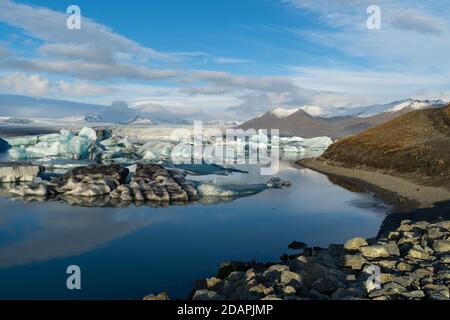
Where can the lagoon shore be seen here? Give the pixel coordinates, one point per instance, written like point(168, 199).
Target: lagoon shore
point(405, 194)
point(409, 258)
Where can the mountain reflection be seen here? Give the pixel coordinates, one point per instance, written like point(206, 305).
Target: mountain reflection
point(61, 232)
point(68, 225)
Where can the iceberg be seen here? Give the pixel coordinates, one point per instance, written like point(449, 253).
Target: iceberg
point(23, 172)
point(42, 150)
point(211, 190)
point(4, 145)
point(22, 141)
point(53, 137)
point(203, 169)
point(63, 145)
point(156, 150)
point(206, 189)
point(88, 133)
point(293, 149)
point(317, 143)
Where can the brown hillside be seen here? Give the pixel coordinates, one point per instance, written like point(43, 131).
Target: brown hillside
point(416, 144)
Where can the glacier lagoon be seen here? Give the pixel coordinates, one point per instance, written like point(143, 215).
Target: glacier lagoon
point(129, 252)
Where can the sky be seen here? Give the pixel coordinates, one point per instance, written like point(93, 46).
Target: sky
point(225, 59)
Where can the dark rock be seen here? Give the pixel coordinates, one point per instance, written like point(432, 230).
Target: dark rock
point(228, 267)
point(296, 245)
point(308, 252)
point(328, 285)
point(316, 295)
point(336, 250)
point(284, 257)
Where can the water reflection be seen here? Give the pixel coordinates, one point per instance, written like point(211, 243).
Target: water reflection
point(106, 201)
point(68, 231)
point(166, 248)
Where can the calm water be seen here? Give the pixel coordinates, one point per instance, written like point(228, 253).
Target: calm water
point(126, 253)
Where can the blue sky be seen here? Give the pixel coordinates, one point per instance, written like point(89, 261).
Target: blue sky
point(225, 58)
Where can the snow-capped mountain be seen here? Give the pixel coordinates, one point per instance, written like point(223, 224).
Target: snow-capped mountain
point(140, 121)
point(283, 113)
point(93, 118)
point(312, 121)
point(90, 118)
point(223, 122)
point(396, 106)
point(315, 111)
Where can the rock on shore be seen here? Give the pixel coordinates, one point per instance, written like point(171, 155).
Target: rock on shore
point(411, 262)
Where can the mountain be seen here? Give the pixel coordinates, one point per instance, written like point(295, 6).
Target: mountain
point(416, 144)
point(140, 120)
point(304, 121)
point(397, 106)
point(93, 118)
point(29, 107)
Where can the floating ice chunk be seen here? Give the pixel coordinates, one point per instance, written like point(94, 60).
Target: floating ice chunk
point(4, 145)
point(116, 142)
point(22, 141)
point(67, 145)
point(19, 153)
point(156, 150)
point(278, 183)
point(295, 139)
point(53, 137)
point(212, 190)
point(203, 169)
point(66, 136)
point(88, 133)
point(76, 147)
point(317, 143)
point(293, 149)
point(43, 150)
point(12, 172)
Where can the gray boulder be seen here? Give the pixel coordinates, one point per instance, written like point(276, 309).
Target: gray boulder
point(380, 250)
point(441, 246)
point(355, 244)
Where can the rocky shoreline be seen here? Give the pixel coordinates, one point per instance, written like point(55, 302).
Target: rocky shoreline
point(411, 262)
point(409, 259)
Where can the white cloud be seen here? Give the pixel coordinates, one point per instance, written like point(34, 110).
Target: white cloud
point(225, 60)
point(80, 51)
point(50, 26)
point(360, 86)
point(4, 52)
point(91, 70)
point(20, 83)
point(81, 89)
point(417, 21)
point(409, 38)
point(39, 86)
